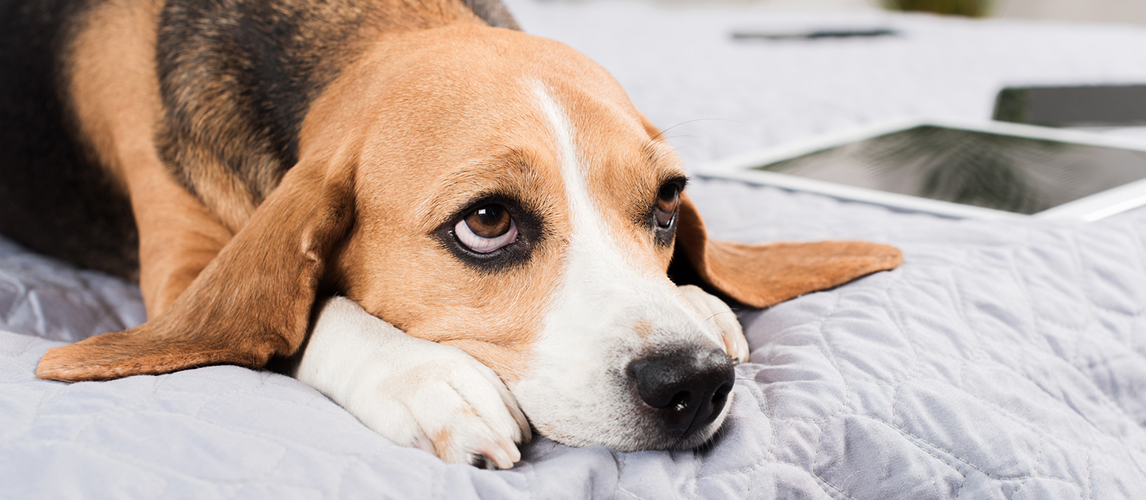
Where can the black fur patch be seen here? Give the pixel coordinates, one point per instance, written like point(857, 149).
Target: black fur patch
point(54, 199)
point(237, 77)
point(494, 13)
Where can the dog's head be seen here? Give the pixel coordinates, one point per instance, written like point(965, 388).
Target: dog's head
point(497, 192)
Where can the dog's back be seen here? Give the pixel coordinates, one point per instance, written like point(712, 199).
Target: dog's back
point(53, 198)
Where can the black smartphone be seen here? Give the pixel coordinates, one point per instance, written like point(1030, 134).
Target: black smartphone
point(1081, 106)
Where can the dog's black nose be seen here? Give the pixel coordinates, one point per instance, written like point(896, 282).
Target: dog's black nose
point(689, 388)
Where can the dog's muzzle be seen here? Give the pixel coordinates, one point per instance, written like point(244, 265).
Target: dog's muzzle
point(688, 388)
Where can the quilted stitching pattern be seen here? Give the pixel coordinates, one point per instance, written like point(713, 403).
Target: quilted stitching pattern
point(39, 296)
point(1003, 360)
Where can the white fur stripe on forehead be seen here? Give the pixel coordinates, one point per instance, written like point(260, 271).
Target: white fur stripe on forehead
point(561, 128)
point(572, 171)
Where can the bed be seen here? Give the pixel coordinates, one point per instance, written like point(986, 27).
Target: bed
point(1004, 359)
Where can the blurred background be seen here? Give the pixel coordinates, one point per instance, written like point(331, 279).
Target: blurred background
point(725, 77)
point(1121, 11)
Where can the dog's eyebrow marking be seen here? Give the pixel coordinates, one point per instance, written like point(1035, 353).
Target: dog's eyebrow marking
point(655, 153)
point(504, 173)
point(662, 160)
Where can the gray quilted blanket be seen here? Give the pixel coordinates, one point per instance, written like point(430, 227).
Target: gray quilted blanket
point(1004, 359)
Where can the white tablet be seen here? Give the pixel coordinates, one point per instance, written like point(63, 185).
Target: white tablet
point(986, 170)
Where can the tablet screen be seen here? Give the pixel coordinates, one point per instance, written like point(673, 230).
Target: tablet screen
point(1003, 172)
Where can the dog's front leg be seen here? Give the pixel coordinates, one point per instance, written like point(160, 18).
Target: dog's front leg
point(414, 392)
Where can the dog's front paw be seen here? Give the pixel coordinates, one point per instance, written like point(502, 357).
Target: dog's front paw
point(718, 313)
point(414, 392)
point(451, 406)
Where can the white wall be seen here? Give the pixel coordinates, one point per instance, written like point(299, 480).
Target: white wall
point(1133, 11)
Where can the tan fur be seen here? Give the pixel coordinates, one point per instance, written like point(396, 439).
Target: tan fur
point(273, 267)
point(117, 104)
point(414, 127)
point(764, 275)
point(392, 264)
point(442, 444)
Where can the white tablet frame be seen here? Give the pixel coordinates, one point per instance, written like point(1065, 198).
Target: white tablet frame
point(1093, 207)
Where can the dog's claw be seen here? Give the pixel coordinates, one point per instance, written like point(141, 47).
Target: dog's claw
point(716, 312)
point(460, 409)
point(503, 456)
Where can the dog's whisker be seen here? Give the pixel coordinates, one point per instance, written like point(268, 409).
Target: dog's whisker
point(694, 120)
point(718, 313)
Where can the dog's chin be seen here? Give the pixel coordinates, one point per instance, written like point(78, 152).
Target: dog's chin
point(640, 429)
point(659, 439)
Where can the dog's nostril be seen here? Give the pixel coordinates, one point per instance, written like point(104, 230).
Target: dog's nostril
point(689, 388)
point(719, 398)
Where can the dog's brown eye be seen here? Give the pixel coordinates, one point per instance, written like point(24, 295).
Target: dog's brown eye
point(486, 229)
point(489, 221)
point(668, 199)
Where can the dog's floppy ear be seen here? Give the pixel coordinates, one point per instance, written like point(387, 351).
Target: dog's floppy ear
point(251, 302)
point(765, 274)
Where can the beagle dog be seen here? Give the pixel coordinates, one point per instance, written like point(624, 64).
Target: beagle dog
point(506, 238)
